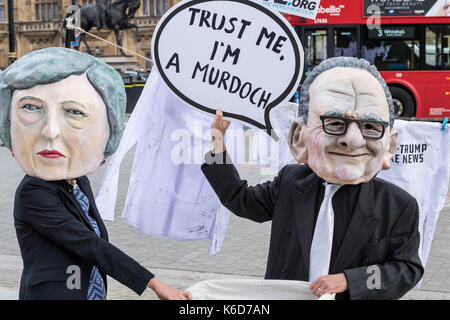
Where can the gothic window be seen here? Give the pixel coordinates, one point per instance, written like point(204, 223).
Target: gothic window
point(46, 10)
point(154, 8)
point(38, 13)
point(2, 10)
point(145, 7)
point(158, 8)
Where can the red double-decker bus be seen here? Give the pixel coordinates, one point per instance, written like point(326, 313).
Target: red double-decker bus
point(408, 41)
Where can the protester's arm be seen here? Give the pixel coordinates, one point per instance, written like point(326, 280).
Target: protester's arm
point(164, 292)
point(253, 202)
point(402, 268)
point(43, 209)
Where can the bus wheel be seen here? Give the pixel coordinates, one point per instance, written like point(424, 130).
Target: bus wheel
point(404, 105)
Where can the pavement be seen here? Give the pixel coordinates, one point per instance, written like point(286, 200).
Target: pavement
point(181, 264)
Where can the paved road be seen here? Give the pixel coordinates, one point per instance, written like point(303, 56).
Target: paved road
point(181, 264)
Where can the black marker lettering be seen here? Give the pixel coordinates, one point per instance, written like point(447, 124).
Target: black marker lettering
point(229, 53)
point(264, 33)
point(238, 81)
point(225, 76)
point(174, 61)
point(211, 74)
point(245, 23)
point(194, 11)
point(213, 54)
point(232, 21)
point(204, 18)
point(264, 100)
point(278, 44)
point(222, 22)
point(199, 67)
point(249, 85)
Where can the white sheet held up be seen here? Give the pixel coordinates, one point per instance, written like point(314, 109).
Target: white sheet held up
point(422, 167)
point(168, 195)
point(254, 289)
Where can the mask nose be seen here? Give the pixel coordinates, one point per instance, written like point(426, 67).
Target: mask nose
point(51, 129)
point(353, 139)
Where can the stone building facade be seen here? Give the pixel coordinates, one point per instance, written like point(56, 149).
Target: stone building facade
point(39, 24)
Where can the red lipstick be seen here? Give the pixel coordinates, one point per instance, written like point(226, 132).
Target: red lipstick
point(52, 154)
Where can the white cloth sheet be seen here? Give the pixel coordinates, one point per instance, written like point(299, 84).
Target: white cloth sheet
point(423, 173)
point(168, 195)
point(254, 289)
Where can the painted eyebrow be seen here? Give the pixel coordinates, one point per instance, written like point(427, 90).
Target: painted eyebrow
point(340, 113)
point(30, 98)
point(372, 117)
point(75, 102)
point(334, 113)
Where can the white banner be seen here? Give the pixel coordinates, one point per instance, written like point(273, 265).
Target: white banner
point(302, 8)
point(422, 167)
point(254, 289)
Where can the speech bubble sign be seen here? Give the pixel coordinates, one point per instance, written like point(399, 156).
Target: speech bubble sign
point(235, 55)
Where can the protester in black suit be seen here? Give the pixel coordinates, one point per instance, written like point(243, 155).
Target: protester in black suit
point(54, 235)
point(343, 138)
point(62, 115)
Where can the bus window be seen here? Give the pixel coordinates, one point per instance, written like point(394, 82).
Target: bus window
point(345, 43)
point(316, 48)
point(437, 50)
point(392, 47)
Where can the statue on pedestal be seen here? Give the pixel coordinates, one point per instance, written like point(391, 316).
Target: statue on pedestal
point(105, 14)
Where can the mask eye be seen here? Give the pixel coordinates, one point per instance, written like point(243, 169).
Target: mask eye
point(30, 107)
point(75, 113)
point(372, 130)
point(334, 125)
point(372, 126)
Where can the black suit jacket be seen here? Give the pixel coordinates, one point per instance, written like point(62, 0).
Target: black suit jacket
point(382, 230)
point(55, 238)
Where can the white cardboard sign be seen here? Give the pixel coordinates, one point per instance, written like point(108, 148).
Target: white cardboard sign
point(302, 8)
point(229, 54)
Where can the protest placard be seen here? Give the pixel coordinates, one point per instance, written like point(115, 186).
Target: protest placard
point(234, 55)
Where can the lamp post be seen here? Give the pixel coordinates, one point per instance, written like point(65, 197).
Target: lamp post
point(12, 42)
point(70, 34)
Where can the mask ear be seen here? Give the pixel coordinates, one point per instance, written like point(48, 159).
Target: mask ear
point(296, 144)
point(391, 150)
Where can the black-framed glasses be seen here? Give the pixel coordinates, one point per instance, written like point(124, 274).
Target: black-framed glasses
point(337, 126)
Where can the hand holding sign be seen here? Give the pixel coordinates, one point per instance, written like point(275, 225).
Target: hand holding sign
point(218, 129)
point(232, 54)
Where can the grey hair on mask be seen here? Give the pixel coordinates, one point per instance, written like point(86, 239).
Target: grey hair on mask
point(346, 62)
point(51, 65)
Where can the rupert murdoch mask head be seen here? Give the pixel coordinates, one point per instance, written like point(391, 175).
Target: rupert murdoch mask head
point(345, 127)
